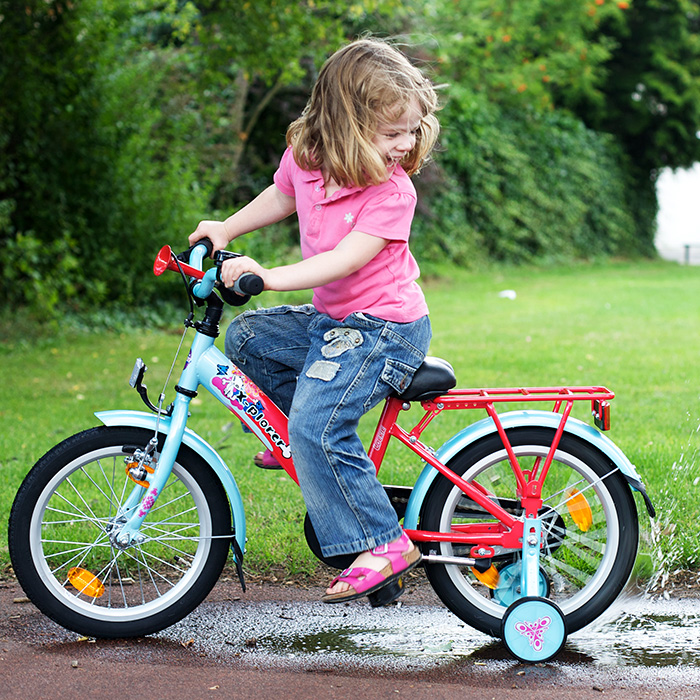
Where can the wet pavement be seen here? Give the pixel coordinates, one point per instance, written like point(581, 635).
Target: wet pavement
point(643, 644)
point(639, 642)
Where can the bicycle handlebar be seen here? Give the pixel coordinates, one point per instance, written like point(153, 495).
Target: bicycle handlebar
point(190, 263)
point(249, 283)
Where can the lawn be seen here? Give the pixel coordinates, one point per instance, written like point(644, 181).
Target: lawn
point(634, 327)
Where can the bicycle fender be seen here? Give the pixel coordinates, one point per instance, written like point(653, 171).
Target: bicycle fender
point(140, 419)
point(522, 419)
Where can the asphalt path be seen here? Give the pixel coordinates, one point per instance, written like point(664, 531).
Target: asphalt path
point(278, 641)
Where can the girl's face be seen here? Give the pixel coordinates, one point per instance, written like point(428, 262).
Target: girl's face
point(397, 138)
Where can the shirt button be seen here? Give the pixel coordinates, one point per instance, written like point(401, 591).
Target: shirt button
point(318, 207)
point(318, 188)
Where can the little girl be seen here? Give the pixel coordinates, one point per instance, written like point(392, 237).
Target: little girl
point(369, 124)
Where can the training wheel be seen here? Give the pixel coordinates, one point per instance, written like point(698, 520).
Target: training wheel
point(533, 629)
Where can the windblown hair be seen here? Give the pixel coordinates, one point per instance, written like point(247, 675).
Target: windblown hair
point(361, 86)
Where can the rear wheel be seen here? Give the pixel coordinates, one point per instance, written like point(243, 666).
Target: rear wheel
point(589, 524)
point(63, 550)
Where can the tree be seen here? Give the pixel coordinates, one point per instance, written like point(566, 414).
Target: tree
point(47, 121)
point(652, 85)
point(251, 52)
point(522, 179)
point(95, 159)
point(526, 53)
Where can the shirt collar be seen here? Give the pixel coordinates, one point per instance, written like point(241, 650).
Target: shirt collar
point(317, 176)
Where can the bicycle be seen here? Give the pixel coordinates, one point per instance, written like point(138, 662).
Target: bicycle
point(526, 518)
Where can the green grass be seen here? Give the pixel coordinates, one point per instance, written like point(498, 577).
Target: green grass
point(634, 327)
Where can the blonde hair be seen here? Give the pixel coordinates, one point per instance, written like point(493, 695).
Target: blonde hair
point(361, 86)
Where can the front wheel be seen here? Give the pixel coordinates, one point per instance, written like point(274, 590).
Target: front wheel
point(589, 526)
point(64, 552)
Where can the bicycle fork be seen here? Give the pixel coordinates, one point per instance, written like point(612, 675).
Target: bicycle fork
point(149, 480)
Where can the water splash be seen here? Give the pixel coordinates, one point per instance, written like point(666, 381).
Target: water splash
point(673, 545)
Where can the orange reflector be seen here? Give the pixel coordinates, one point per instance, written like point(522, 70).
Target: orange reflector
point(140, 482)
point(579, 509)
point(85, 582)
point(489, 578)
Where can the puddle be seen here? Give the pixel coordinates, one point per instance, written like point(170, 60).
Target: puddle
point(659, 635)
point(648, 633)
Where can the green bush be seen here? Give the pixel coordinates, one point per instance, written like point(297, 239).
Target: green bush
point(100, 151)
point(123, 124)
point(157, 192)
point(534, 186)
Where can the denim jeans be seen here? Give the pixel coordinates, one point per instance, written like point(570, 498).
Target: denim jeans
point(325, 374)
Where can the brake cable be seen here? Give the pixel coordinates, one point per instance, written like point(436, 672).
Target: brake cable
point(188, 325)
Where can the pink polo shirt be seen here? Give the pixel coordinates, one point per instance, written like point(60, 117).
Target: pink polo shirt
point(386, 286)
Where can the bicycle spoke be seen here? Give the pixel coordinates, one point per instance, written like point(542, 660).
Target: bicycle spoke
point(76, 510)
point(110, 482)
point(589, 485)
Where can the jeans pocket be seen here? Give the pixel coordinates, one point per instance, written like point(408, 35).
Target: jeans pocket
point(397, 374)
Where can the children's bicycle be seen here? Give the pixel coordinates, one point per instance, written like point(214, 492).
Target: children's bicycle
point(525, 518)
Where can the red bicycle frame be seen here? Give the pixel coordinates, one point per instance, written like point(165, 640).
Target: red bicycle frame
point(507, 531)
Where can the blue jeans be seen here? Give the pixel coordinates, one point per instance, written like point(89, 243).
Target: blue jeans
point(326, 374)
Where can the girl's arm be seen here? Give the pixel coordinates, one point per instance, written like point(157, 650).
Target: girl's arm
point(352, 253)
point(268, 207)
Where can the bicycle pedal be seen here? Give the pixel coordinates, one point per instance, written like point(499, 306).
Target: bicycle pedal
point(387, 594)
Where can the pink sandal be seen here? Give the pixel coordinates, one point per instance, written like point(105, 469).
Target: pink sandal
point(265, 460)
point(366, 582)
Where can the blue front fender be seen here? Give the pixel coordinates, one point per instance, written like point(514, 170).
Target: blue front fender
point(140, 419)
point(520, 419)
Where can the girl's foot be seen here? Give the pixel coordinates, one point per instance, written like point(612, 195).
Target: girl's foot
point(265, 460)
point(373, 570)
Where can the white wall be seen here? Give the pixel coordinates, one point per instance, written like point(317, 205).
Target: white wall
point(679, 214)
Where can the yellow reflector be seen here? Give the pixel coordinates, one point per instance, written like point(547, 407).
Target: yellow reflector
point(489, 578)
point(579, 509)
point(85, 582)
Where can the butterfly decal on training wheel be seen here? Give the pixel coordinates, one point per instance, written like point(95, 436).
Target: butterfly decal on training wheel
point(534, 631)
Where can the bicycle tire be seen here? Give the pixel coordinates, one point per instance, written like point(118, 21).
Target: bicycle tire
point(61, 519)
point(587, 569)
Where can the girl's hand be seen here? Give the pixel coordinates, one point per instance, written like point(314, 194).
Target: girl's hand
point(233, 268)
point(215, 231)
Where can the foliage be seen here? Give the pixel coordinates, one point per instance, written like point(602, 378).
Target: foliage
point(527, 185)
point(631, 69)
point(557, 117)
point(48, 173)
point(40, 274)
point(98, 161)
point(158, 191)
point(520, 53)
point(652, 85)
point(267, 51)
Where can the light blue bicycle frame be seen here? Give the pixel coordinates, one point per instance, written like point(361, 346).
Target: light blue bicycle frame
point(206, 366)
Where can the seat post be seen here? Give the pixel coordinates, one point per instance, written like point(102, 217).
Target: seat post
point(387, 420)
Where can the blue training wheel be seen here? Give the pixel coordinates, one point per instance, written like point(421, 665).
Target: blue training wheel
point(533, 629)
point(509, 588)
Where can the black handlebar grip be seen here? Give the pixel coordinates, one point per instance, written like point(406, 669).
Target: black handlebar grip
point(249, 283)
